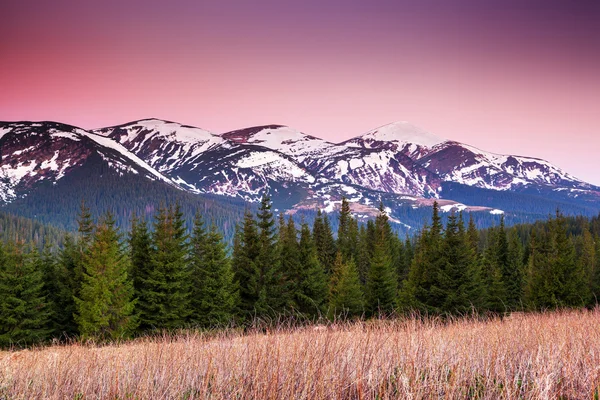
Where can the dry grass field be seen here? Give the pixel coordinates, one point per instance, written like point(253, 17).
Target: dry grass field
point(538, 356)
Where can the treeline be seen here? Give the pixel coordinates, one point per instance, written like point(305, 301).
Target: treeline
point(103, 285)
point(19, 229)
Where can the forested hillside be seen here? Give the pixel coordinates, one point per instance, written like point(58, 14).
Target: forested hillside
point(102, 283)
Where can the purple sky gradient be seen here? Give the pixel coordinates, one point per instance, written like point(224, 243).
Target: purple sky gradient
point(510, 76)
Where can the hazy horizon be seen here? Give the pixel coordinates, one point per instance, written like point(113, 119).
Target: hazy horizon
point(510, 77)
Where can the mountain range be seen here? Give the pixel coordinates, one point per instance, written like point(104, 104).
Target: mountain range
point(130, 166)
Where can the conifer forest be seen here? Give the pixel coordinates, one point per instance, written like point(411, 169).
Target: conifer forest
point(104, 284)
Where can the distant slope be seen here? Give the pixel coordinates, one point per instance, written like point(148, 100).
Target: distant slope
point(46, 168)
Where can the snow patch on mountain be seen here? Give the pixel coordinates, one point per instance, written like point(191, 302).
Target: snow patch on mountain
point(111, 144)
point(396, 132)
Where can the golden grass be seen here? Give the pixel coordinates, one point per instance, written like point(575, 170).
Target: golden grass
point(538, 356)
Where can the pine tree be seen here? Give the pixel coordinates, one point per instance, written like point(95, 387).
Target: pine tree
point(66, 284)
point(164, 302)
point(140, 253)
point(513, 273)
point(324, 241)
point(289, 262)
point(493, 267)
point(554, 278)
point(214, 294)
point(345, 293)
point(246, 272)
point(24, 311)
point(457, 275)
point(53, 288)
point(312, 293)
point(365, 254)
point(273, 296)
point(422, 289)
point(382, 283)
point(105, 306)
point(587, 261)
point(85, 229)
point(344, 237)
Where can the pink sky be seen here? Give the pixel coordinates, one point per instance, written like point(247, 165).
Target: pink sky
point(516, 77)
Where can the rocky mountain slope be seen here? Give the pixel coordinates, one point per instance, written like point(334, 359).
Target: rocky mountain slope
point(398, 163)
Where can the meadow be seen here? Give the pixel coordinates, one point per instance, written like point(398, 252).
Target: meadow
point(553, 355)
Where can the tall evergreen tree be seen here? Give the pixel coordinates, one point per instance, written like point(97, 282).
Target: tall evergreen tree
point(24, 311)
point(555, 278)
point(290, 263)
point(382, 283)
point(312, 294)
point(105, 306)
point(324, 241)
point(214, 294)
point(66, 284)
point(457, 275)
point(273, 295)
point(422, 289)
point(513, 273)
point(345, 292)
point(165, 300)
point(140, 253)
point(247, 275)
point(493, 268)
point(344, 237)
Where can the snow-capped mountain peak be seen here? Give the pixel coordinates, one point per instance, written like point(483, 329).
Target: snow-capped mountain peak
point(281, 138)
point(400, 132)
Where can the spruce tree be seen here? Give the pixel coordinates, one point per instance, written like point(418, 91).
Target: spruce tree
point(422, 289)
point(344, 237)
point(513, 273)
point(457, 275)
point(164, 302)
point(493, 269)
point(345, 292)
point(24, 310)
point(140, 253)
point(66, 284)
point(312, 293)
point(85, 229)
point(105, 305)
point(587, 261)
point(247, 275)
point(554, 278)
point(365, 254)
point(289, 262)
point(324, 241)
point(382, 282)
point(214, 294)
point(273, 296)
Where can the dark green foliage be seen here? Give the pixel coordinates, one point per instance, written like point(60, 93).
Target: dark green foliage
point(513, 273)
point(66, 284)
point(382, 281)
point(247, 275)
point(345, 292)
point(457, 275)
point(289, 263)
point(311, 292)
point(140, 253)
point(274, 296)
point(24, 310)
point(105, 306)
point(165, 299)
point(422, 291)
point(555, 278)
point(167, 280)
point(213, 294)
point(324, 242)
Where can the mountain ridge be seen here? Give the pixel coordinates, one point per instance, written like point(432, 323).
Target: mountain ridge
point(398, 162)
